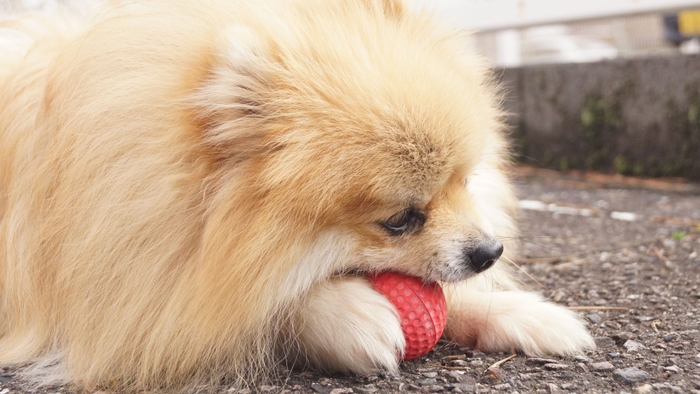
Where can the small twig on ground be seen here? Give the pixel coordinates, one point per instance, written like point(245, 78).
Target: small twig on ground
point(680, 221)
point(660, 255)
point(598, 308)
point(455, 357)
point(653, 326)
point(493, 368)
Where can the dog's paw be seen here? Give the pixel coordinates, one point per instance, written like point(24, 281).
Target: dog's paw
point(534, 326)
point(347, 326)
point(509, 321)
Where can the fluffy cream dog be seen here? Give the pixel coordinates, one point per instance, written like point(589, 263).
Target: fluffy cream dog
point(187, 186)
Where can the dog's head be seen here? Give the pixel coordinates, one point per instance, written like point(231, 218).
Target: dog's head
point(371, 122)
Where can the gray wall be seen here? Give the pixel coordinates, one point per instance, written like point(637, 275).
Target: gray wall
point(634, 116)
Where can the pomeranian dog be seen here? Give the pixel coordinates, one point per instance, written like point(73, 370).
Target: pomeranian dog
point(193, 189)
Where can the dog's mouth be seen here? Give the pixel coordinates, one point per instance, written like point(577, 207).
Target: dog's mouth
point(429, 278)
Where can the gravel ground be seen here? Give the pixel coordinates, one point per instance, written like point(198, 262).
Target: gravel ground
point(627, 259)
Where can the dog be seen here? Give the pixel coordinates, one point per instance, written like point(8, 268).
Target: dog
point(191, 190)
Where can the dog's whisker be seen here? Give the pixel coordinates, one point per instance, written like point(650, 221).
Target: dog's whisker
point(523, 271)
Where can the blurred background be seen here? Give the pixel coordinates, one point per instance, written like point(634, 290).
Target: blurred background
point(609, 86)
point(599, 85)
point(521, 32)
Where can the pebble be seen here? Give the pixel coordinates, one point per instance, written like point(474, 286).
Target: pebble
point(369, 389)
point(458, 363)
point(582, 359)
point(465, 388)
point(456, 376)
point(317, 388)
point(554, 389)
point(503, 386)
point(594, 318)
point(436, 388)
point(670, 337)
point(536, 360)
point(665, 387)
point(672, 368)
point(428, 382)
point(269, 389)
point(429, 374)
point(644, 389)
point(602, 366)
point(633, 346)
point(623, 336)
point(630, 375)
point(342, 390)
point(604, 341)
point(556, 366)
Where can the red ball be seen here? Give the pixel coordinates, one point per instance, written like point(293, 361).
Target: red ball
point(421, 306)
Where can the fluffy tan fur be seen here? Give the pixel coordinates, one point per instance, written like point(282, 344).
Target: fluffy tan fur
point(181, 182)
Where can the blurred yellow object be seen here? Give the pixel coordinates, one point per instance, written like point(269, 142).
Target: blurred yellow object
point(689, 23)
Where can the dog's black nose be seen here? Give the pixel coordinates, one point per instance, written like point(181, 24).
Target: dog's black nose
point(484, 255)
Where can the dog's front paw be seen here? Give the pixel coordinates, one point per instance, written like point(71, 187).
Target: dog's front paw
point(347, 326)
point(508, 321)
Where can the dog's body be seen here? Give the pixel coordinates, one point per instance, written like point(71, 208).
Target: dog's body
point(186, 186)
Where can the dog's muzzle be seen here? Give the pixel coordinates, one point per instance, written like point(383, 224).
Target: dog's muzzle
point(484, 255)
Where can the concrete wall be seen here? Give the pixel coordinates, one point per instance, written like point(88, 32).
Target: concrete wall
point(634, 117)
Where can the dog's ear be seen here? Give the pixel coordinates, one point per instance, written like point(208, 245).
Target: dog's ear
point(232, 102)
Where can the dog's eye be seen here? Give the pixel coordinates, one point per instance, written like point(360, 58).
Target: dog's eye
point(408, 220)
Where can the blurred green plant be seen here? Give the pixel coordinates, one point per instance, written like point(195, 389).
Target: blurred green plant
point(678, 235)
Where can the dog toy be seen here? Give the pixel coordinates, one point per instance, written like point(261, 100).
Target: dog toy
point(422, 309)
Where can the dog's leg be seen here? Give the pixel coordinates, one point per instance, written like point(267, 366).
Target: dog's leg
point(507, 321)
point(344, 325)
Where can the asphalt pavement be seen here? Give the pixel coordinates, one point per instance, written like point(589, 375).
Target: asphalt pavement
point(623, 252)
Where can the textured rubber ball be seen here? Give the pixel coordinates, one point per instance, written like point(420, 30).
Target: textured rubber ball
point(421, 306)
